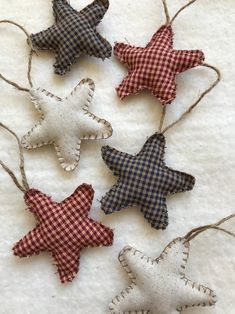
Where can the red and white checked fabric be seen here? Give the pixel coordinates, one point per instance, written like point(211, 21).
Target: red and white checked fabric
point(63, 229)
point(155, 67)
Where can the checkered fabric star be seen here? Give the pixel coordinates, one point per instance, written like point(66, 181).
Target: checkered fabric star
point(159, 285)
point(63, 229)
point(73, 34)
point(144, 180)
point(65, 123)
point(155, 67)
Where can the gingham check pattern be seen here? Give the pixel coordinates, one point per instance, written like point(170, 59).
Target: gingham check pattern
point(74, 33)
point(155, 67)
point(144, 180)
point(63, 229)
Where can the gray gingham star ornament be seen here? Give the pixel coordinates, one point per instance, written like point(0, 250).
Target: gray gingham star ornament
point(73, 34)
point(144, 181)
point(159, 285)
point(66, 122)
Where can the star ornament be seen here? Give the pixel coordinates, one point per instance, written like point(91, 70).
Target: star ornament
point(144, 181)
point(63, 229)
point(155, 67)
point(73, 34)
point(65, 123)
point(159, 286)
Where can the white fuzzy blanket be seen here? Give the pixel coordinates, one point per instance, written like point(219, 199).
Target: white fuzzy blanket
point(202, 145)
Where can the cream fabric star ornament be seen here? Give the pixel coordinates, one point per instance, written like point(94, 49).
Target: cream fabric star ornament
point(159, 286)
point(65, 123)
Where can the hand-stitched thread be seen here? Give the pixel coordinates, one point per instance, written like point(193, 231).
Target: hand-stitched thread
point(63, 229)
point(73, 34)
point(66, 122)
point(159, 285)
point(144, 180)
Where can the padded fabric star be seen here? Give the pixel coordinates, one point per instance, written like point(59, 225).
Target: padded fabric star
point(63, 229)
point(66, 122)
point(144, 180)
point(74, 33)
point(159, 286)
point(155, 67)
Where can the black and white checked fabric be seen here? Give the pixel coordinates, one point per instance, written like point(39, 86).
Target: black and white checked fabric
point(144, 180)
point(74, 33)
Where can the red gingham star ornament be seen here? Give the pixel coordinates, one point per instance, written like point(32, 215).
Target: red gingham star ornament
point(63, 229)
point(155, 67)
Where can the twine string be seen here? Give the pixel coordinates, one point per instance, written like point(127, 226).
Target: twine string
point(195, 104)
point(24, 186)
point(170, 21)
point(182, 9)
point(29, 70)
point(197, 231)
point(166, 12)
point(32, 51)
point(162, 119)
point(13, 177)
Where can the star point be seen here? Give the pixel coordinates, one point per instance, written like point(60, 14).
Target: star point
point(73, 34)
point(66, 122)
point(155, 67)
point(63, 229)
point(144, 181)
point(159, 286)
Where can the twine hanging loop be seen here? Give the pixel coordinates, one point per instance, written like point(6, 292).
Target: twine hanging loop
point(24, 186)
point(31, 53)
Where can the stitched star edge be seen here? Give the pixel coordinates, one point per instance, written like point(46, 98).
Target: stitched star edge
point(189, 282)
point(64, 165)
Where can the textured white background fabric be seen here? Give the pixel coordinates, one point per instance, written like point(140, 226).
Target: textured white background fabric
point(203, 145)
